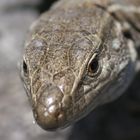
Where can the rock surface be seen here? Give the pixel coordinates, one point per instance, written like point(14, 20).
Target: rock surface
point(119, 120)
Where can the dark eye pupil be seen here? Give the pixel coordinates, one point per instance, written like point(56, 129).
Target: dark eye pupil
point(94, 65)
point(25, 69)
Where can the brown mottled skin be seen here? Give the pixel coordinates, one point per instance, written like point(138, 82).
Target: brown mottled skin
point(79, 55)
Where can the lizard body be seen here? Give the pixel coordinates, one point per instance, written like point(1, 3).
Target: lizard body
point(79, 55)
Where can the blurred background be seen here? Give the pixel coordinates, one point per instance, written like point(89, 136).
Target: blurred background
point(119, 120)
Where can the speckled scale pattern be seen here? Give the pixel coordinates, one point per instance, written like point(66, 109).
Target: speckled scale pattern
point(62, 45)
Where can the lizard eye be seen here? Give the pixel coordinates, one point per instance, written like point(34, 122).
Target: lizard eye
point(25, 68)
point(93, 67)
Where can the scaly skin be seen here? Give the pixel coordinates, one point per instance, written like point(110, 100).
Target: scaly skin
point(79, 55)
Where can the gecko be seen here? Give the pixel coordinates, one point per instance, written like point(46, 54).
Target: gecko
point(79, 55)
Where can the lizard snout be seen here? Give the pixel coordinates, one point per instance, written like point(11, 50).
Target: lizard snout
point(48, 111)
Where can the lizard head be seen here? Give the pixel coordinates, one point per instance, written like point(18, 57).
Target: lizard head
point(68, 70)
